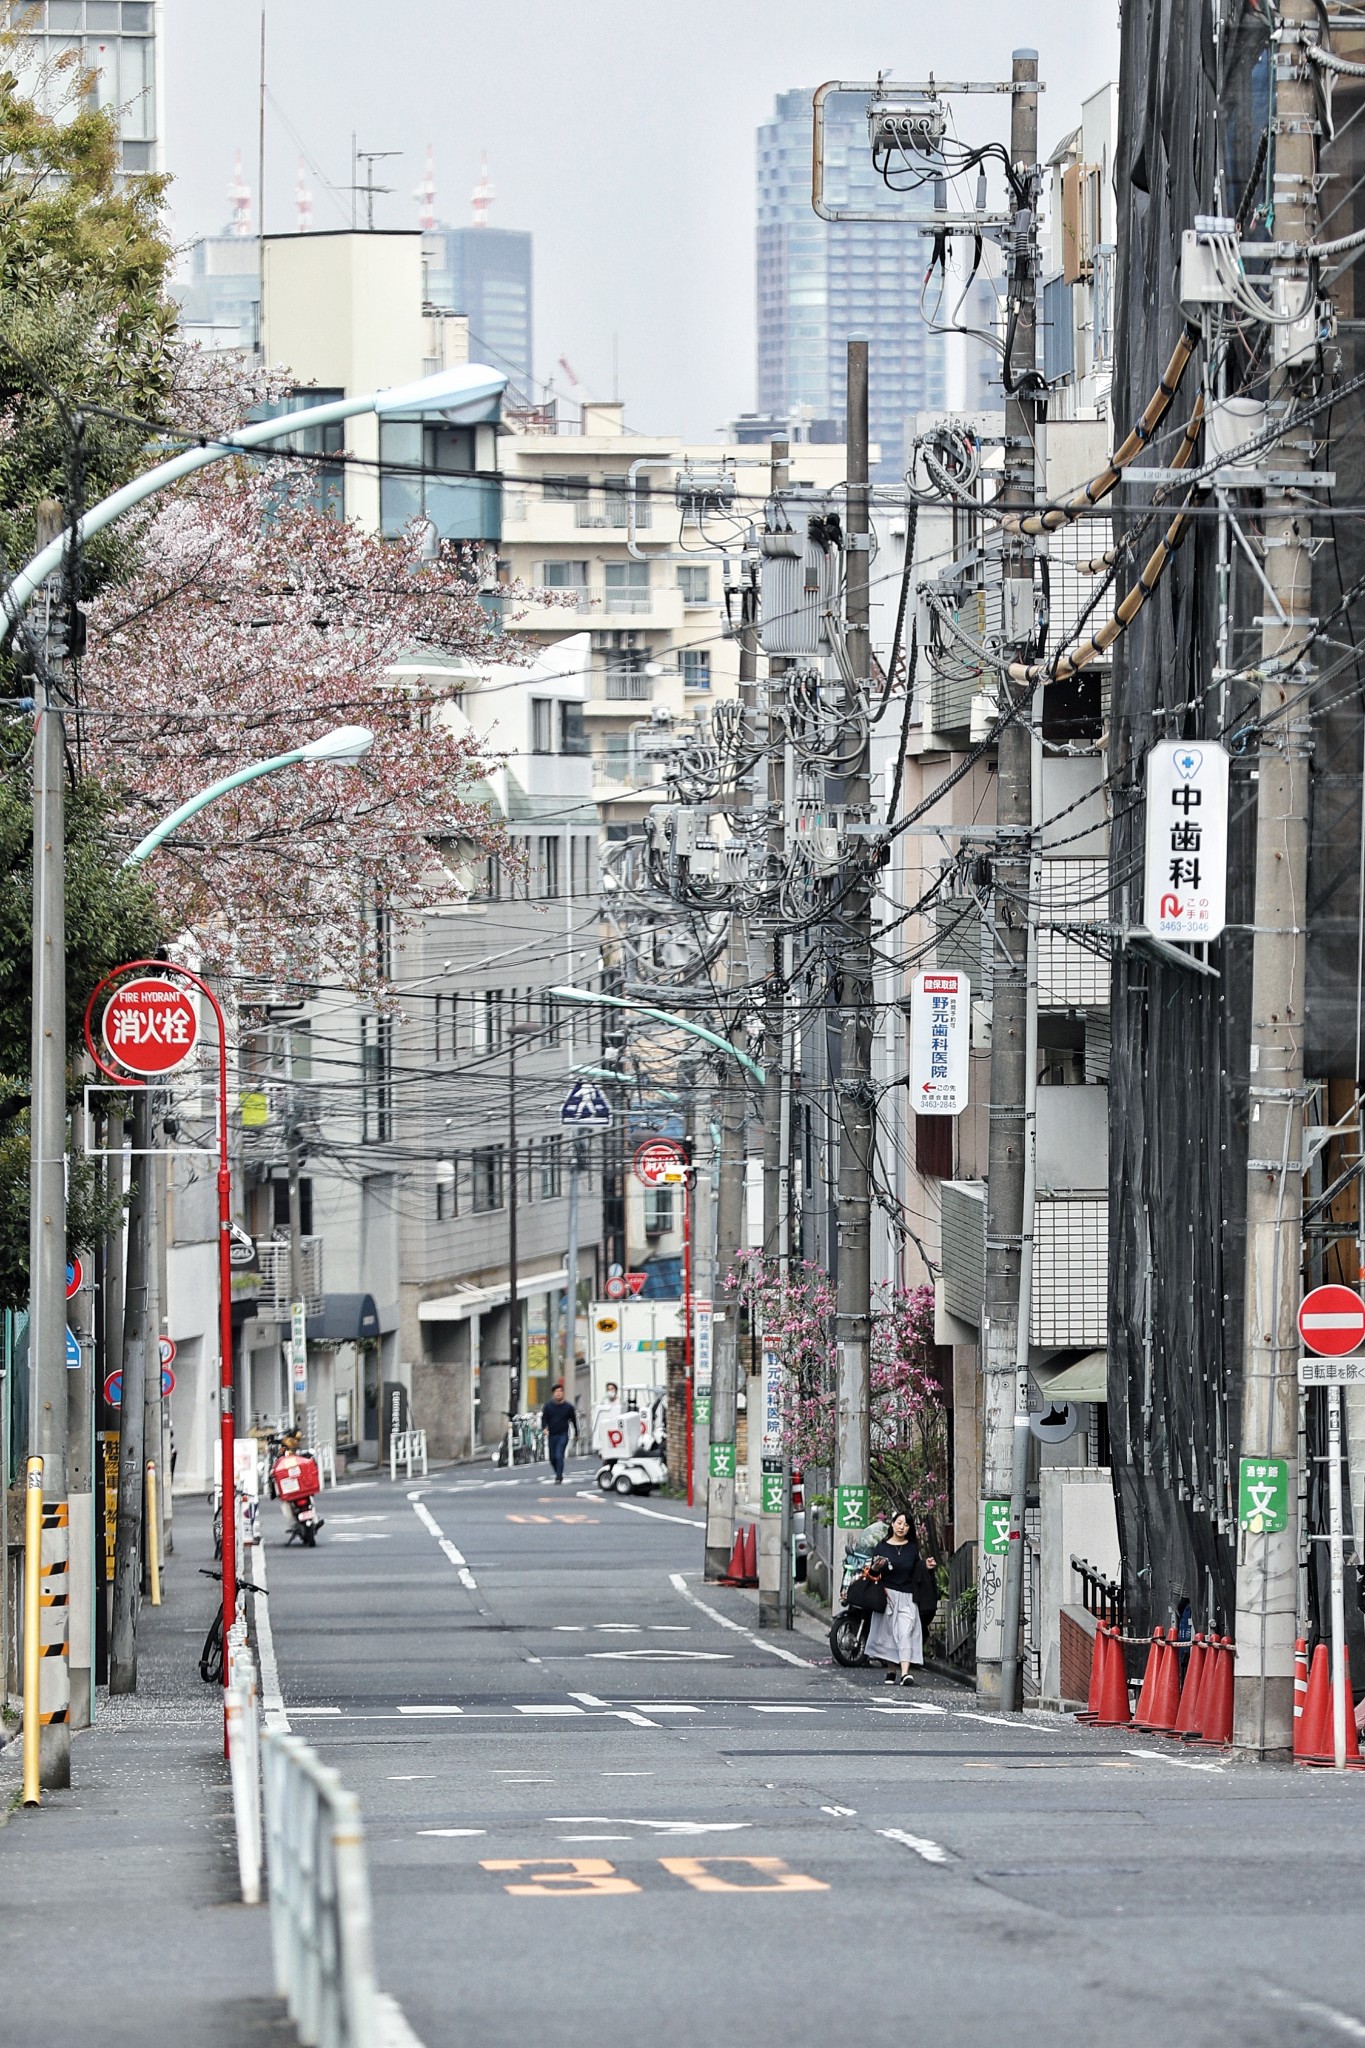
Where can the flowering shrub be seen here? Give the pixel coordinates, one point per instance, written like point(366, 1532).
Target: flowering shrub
point(794, 1317)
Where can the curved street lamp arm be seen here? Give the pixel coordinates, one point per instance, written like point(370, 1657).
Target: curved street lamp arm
point(582, 995)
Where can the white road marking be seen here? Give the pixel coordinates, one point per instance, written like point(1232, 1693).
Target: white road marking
point(660, 1827)
point(272, 1700)
point(431, 1710)
point(925, 1709)
point(635, 1720)
point(620, 1628)
point(412, 1777)
point(679, 1583)
point(547, 1710)
point(655, 1709)
point(339, 1519)
point(313, 1713)
point(593, 1838)
point(455, 1556)
point(570, 1628)
point(932, 1852)
point(840, 1812)
point(467, 1579)
point(660, 1656)
point(448, 1833)
point(425, 1516)
point(391, 2027)
point(1182, 1763)
point(589, 1699)
point(1003, 1721)
point(626, 1774)
point(754, 1708)
point(362, 1536)
point(633, 1507)
point(1313, 2009)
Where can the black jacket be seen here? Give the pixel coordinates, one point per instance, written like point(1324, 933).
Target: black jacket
point(559, 1417)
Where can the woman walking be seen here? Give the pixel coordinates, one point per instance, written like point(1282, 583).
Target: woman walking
point(896, 1636)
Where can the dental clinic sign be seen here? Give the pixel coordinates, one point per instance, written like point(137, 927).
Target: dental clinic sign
point(1186, 872)
point(940, 1043)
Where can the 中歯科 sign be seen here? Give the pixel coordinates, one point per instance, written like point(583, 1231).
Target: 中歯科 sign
point(150, 1026)
point(940, 1043)
point(1185, 885)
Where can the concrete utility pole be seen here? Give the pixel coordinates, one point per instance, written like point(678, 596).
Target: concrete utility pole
point(297, 1291)
point(1263, 1697)
point(1006, 1222)
point(766, 1459)
point(47, 1178)
point(853, 1319)
point(139, 1340)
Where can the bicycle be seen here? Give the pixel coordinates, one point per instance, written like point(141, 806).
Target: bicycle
point(211, 1656)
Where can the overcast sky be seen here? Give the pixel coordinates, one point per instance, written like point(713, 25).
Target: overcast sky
point(620, 132)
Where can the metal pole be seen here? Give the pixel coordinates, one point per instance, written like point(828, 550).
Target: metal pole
point(297, 1292)
point(1005, 1173)
point(687, 1315)
point(137, 1342)
point(1342, 1703)
point(151, 1383)
point(47, 1166)
point(228, 1421)
point(33, 1647)
point(1266, 1621)
point(513, 1304)
point(570, 1367)
point(854, 1094)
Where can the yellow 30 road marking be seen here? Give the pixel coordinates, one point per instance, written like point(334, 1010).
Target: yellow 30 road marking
point(696, 1871)
point(578, 1876)
point(562, 1876)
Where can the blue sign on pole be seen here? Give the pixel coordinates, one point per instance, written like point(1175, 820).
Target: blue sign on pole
point(586, 1108)
point(73, 1351)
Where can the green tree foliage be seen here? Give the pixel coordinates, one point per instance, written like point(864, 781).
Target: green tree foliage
point(83, 311)
point(110, 917)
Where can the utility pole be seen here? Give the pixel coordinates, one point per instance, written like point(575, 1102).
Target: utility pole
point(1003, 1412)
point(298, 1294)
point(47, 1410)
point(731, 1195)
point(1263, 1691)
point(854, 1095)
point(151, 1369)
point(570, 1368)
point(138, 1340)
point(514, 1032)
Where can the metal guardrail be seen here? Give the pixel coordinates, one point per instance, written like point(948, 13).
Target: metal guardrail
point(405, 1447)
point(1100, 1596)
point(319, 1899)
point(241, 1706)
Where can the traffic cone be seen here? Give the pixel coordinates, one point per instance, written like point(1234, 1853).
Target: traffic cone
point(1315, 1723)
point(1166, 1700)
point(1300, 1693)
point(1098, 1653)
point(1143, 1717)
point(1323, 1754)
point(734, 1571)
point(1187, 1720)
point(1215, 1703)
point(1114, 1709)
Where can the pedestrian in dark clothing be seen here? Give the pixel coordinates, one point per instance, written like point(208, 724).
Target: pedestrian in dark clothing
point(557, 1418)
point(897, 1635)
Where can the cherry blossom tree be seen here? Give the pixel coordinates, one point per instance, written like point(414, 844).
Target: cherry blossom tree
point(254, 622)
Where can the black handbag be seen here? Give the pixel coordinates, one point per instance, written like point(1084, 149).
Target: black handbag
point(866, 1595)
point(925, 1593)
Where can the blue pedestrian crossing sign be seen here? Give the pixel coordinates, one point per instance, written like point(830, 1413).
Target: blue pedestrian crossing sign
point(586, 1108)
point(73, 1350)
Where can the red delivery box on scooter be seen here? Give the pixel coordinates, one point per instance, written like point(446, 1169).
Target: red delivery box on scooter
point(296, 1478)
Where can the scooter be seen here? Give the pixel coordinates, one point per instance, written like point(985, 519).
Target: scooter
point(848, 1631)
point(294, 1478)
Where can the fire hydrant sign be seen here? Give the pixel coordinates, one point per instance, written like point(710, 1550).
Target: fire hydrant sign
point(150, 1026)
point(940, 1043)
point(1185, 887)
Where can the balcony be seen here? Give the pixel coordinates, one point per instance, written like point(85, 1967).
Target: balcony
point(273, 1253)
point(611, 510)
point(626, 686)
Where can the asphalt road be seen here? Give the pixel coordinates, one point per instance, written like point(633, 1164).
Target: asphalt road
point(601, 1808)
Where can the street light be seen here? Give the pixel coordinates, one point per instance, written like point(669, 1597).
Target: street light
point(343, 748)
point(460, 396)
point(583, 995)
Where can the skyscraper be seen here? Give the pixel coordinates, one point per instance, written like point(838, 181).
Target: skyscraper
point(820, 282)
point(117, 40)
point(485, 273)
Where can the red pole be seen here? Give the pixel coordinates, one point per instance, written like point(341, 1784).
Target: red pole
point(687, 1315)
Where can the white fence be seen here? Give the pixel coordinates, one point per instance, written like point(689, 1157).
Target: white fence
point(405, 1447)
point(319, 1899)
point(241, 1707)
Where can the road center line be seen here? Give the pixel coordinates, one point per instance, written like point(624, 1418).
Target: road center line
point(679, 1583)
point(1312, 2009)
point(425, 1516)
point(272, 1700)
point(456, 1557)
point(1182, 1763)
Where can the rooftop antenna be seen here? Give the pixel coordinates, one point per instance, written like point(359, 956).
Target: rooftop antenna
point(239, 192)
point(426, 193)
point(371, 157)
point(483, 195)
point(303, 201)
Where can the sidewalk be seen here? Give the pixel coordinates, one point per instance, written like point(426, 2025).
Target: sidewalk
point(120, 1919)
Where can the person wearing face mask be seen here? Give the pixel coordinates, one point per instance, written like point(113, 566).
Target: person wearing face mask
point(896, 1636)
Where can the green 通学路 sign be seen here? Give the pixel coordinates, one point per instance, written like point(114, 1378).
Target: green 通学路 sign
point(850, 1507)
point(722, 1461)
point(1263, 1496)
point(995, 1528)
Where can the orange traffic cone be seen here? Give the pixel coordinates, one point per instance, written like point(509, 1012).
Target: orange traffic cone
point(1300, 1693)
point(1187, 1720)
point(1114, 1709)
point(1166, 1692)
point(751, 1554)
point(734, 1571)
point(1155, 1656)
point(1215, 1703)
point(1322, 1756)
point(1098, 1653)
point(1315, 1727)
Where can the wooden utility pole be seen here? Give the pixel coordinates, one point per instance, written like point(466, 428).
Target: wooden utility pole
point(1007, 1143)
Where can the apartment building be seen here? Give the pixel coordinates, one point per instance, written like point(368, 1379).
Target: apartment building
point(121, 43)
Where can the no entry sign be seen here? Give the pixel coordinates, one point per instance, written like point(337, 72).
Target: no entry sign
point(150, 1026)
point(1332, 1320)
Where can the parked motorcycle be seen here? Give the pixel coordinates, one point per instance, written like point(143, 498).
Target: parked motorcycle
point(849, 1629)
point(296, 1484)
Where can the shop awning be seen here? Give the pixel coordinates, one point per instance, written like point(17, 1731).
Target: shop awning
point(1087, 1380)
point(472, 1301)
point(349, 1319)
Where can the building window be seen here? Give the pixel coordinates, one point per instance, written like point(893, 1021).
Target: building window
point(579, 865)
point(427, 473)
point(626, 586)
point(547, 866)
point(321, 482)
point(485, 1179)
point(447, 1191)
point(563, 575)
point(376, 1080)
point(694, 664)
point(695, 584)
point(542, 725)
point(551, 1168)
point(934, 1146)
point(549, 1020)
point(573, 739)
point(658, 1211)
point(492, 1019)
point(565, 490)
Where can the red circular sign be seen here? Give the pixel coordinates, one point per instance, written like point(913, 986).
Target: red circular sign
point(1332, 1320)
point(166, 1346)
point(75, 1275)
point(150, 1026)
point(659, 1162)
